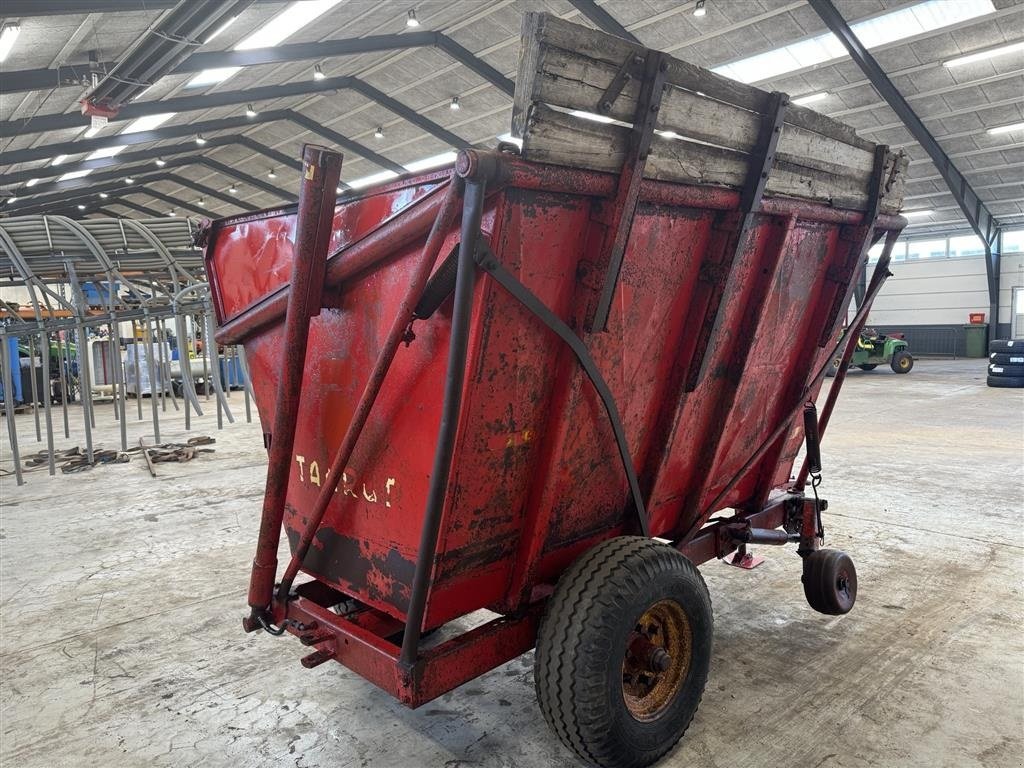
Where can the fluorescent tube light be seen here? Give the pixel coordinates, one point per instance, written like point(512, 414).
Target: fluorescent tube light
point(59, 159)
point(811, 98)
point(971, 58)
point(591, 116)
point(887, 28)
point(7, 37)
point(31, 182)
point(912, 214)
point(1005, 129)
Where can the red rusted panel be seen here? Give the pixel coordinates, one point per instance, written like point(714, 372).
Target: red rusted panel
point(536, 477)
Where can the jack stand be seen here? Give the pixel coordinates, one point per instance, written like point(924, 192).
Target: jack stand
point(743, 559)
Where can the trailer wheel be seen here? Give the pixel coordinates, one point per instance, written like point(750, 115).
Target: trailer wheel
point(830, 581)
point(902, 362)
point(868, 366)
point(623, 652)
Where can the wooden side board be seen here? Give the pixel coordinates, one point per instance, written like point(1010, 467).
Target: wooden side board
point(565, 67)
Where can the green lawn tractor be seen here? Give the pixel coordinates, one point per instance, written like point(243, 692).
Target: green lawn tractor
point(875, 349)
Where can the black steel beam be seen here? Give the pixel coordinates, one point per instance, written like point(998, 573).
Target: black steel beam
point(290, 52)
point(245, 178)
point(344, 142)
point(280, 157)
point(140, 208)
point(985, 225)
point(171, 201)
point(25, 8)
point(407, 113)
point(467, 58)
point(604, 20)
point(47, 151)
point(78, 74)
point(981, 220)
point(211, 192)
point(64, 120)
point(67, 75)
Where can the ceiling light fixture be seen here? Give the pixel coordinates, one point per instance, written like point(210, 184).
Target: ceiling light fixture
point(201, 202)
point(81, 207)
point(699, 9)
point(200, 140)
point(811, 98)
point(455, 106)
point(160, 162)
point(31, 182)
point(129, 180)
point(233, 190)
point(378, 132)
point(12, 199)
point(271, 174)
point(922, 212)
point(75, 174)
point(318, 72)
point(172, 212)
point(411, 20)
point(59, 159)
point(10, 33)
point(971, 58)
point(104, 195)
point(250, 112)
point(1005, 129)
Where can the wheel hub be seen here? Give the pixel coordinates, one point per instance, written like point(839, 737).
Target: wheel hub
point(656, 660)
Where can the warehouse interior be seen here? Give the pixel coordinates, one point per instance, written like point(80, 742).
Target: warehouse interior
point(138, 408)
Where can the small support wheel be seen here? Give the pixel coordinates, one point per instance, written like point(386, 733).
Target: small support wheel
point(830, 581)
point(623, 652)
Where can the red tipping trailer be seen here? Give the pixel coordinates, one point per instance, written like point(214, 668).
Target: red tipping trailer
point(490, 386)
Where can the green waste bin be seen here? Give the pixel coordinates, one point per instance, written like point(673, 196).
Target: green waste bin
point(976, 340)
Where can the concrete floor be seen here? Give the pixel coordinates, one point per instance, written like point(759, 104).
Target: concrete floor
point(122, 597)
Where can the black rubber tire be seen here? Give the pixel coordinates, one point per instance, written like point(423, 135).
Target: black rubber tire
point(868, 366)
point(1006, 370)
point(902, 362)
point(1006, 345)
point(830, 581)
point(581, 646)
point(1006, 382)
point(1001, 358)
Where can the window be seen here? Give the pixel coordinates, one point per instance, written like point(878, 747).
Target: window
point(967, 245)
point(899, 251)
point(926, 249)
point(1013, 242)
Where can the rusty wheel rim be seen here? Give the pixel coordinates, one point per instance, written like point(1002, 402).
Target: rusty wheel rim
point(647, 689)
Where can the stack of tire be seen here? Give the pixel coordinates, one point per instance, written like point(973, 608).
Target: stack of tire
point(1006, 363)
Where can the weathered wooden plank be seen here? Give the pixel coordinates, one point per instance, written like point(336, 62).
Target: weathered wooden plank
point(565, 79)
point(542, 30)
point(556, 137)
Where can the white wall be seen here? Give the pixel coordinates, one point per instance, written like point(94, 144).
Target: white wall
point(943, 291)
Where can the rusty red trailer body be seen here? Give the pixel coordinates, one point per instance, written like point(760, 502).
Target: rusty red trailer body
point(717, 336)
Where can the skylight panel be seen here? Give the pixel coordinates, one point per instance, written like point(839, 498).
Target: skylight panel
point(281, 27)
point(75, 174)
point(881, 30)
point(431, 162)
point(373, 178)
